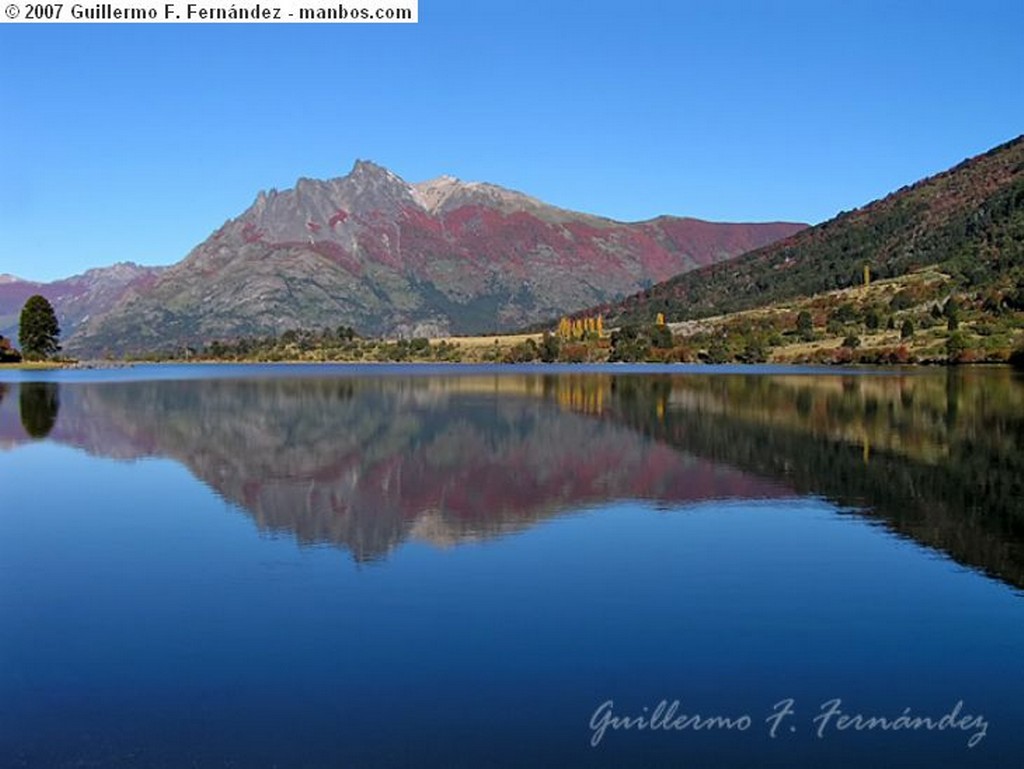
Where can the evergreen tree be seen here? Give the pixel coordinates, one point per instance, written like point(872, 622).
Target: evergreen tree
point(38, 329)
point(952, 313)
point(549, 348)
point(805, 325)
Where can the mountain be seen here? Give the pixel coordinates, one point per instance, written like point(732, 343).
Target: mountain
point(967, 221)
point(384, 256)
point(75, 299)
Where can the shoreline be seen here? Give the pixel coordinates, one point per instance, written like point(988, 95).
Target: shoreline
point(782, 364)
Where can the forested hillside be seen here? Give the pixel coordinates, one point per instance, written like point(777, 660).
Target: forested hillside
point(968, 222)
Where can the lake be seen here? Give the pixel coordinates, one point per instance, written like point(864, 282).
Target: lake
point(391, 566)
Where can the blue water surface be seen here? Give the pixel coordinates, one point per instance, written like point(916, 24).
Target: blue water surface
point(175, 594)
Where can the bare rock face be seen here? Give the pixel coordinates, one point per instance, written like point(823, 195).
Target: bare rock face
point(371, 251)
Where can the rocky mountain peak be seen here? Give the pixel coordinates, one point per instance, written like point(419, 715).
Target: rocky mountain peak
point(367, 168)
point(316, 209)
point(375, 187)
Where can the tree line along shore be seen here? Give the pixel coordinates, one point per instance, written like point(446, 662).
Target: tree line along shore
point(915, 319)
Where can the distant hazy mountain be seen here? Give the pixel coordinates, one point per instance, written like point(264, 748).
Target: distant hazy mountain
point(372, 251)
point(75, 299)
point(968, 221)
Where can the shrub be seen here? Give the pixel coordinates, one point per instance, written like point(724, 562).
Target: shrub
point(574, 353)
point(904, 300)
point(549, 348)
point(805, 326)
point(842, 356)
point(1016, 358)
point(956, 347)
point(524, 352)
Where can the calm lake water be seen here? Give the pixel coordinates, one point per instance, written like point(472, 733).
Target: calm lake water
point(511, 567)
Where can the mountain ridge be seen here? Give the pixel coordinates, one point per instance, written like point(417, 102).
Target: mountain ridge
point(75, 298)
point(388, 257)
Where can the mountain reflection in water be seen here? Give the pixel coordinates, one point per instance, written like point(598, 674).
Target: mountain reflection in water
point(367, 463)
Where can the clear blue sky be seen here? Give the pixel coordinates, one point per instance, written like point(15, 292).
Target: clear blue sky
point(134, 142)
